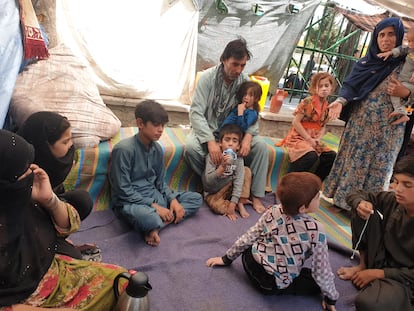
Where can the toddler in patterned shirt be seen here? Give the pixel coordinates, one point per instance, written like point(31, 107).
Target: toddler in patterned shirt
point(275, 249)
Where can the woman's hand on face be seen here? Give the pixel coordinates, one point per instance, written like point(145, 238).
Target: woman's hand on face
point(335, 109)
point(42, 190)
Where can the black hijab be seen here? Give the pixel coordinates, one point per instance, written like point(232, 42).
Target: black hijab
point(42, 129)
point(27, 234)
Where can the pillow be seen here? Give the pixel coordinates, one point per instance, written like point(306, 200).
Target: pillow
point(63, 84)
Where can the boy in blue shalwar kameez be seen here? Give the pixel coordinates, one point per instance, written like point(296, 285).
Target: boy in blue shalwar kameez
point(137, 177)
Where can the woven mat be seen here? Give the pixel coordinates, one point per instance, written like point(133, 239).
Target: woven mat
point(92, 164)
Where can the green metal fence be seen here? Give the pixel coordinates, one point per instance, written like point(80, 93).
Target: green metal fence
point(329, 44)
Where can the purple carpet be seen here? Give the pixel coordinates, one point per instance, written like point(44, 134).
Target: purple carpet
point(177, 271)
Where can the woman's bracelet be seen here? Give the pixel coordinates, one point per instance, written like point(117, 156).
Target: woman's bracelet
point(53, 203)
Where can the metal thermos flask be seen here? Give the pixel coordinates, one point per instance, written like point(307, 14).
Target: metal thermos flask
point(135, 296)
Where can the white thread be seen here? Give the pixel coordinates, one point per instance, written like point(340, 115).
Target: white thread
point(362, 233)
point(360, 238)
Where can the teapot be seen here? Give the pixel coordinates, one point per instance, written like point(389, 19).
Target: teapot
point(135, 296)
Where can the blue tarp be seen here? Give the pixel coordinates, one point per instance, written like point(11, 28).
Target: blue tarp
point(11, 53)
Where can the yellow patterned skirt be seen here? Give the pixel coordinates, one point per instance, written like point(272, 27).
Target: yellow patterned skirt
point(77, 284)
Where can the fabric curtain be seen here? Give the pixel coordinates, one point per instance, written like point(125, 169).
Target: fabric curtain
point(11, 53)
point(399, 7)
point(136, 49)
point(271, 34)
point(153, 49)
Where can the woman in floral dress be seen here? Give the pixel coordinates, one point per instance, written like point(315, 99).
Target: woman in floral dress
point(371, 139)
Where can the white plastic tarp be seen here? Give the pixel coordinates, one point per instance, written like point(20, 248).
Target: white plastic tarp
point(271, 37)
point(148, 49)
point(136, 49)
point(11, 53)
point(399, 7)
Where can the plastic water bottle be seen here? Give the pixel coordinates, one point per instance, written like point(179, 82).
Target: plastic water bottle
point(230, 167)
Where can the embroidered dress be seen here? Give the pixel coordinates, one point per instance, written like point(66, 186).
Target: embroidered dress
point(314, 120)
point(369, 144)
point(368, 149)
point(78, 284)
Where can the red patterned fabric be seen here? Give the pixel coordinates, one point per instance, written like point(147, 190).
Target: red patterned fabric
point(33, 43)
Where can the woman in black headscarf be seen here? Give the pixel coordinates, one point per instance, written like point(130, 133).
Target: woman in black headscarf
point(31, 217)
point(50, 134)
point(371, 140)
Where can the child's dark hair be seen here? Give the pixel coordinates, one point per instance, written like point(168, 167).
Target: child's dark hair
point(405, 166)
point(230, 128)
point(296, 189)
point(236, 49)
point(316, 78)
point(256, 89)
point(150, 110)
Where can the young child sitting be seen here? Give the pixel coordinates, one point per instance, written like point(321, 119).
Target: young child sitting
point(247, 112)
point(227, 186)
point(406, 76)
point(137, 177)
point(276, 248)
point(303, 142)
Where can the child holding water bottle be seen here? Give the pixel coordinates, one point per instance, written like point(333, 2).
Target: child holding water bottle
point(227, 185)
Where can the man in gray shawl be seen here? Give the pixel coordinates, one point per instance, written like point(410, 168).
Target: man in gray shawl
point(212, 102)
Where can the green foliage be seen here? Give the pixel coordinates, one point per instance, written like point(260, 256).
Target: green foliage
point(325, 33)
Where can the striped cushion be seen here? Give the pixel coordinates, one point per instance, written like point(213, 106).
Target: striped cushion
point(91, 164)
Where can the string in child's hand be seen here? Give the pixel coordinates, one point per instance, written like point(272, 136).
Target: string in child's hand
point(362, 233)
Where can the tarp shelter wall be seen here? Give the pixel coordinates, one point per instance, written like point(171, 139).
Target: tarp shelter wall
point(398, 7)
point(153, 49)
point(149, 50)
point(135, 49)
point(367, 22)
point(271, 37)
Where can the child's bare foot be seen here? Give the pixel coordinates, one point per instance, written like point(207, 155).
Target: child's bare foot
point(346, 273)
point(398, 118)
point(242, 210)
point(258, 205)
point(232, 216)
point(152, 238)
